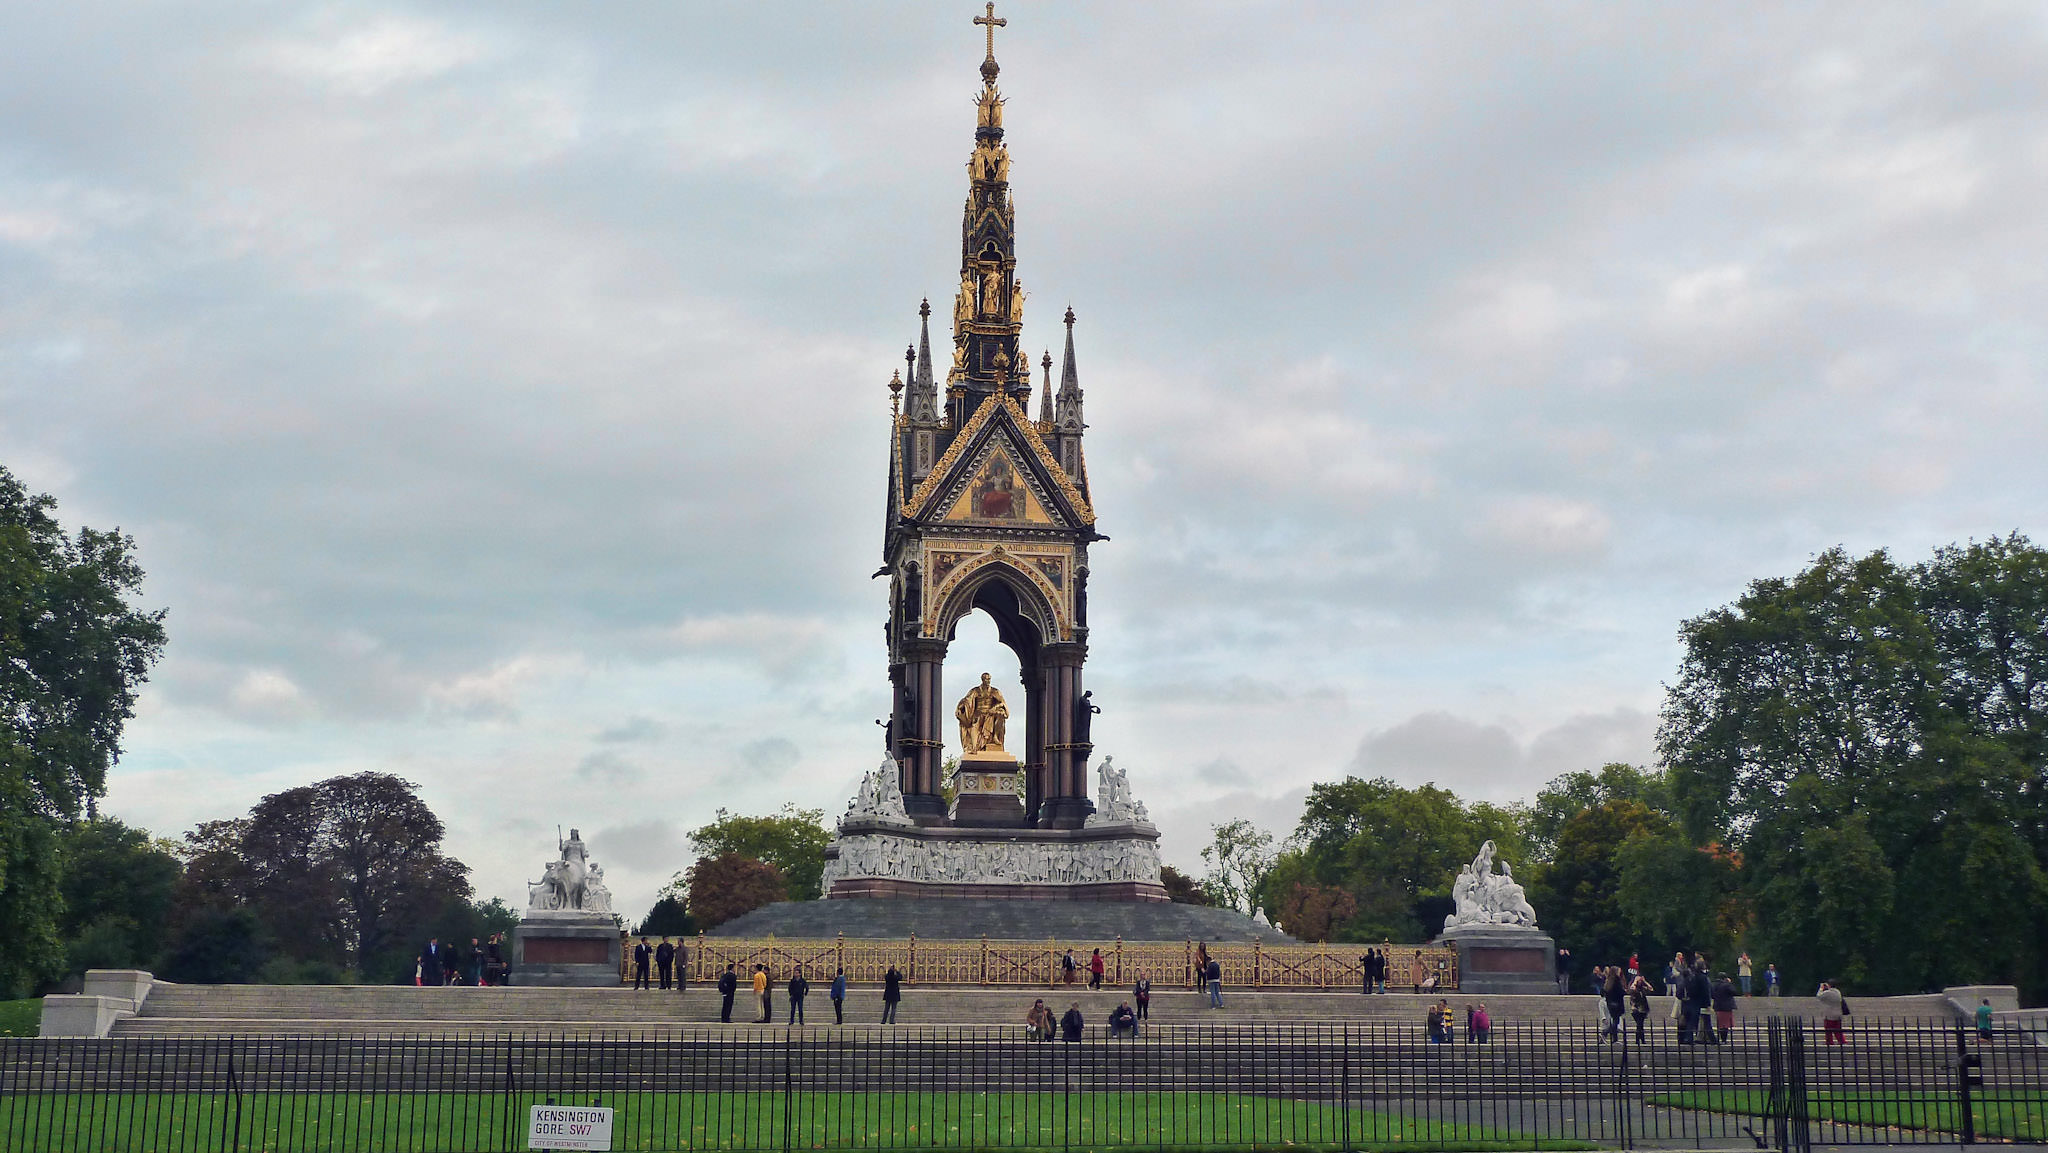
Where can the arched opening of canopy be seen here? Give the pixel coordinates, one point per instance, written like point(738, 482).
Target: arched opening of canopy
point(995, 623)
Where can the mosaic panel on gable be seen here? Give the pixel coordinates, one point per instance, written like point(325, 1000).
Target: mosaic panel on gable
point(999, 493)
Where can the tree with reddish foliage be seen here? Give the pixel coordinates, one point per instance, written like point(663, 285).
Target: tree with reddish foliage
point(1313, 912)
point(728, 885)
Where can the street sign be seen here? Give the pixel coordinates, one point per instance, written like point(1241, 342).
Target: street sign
point(567, 1127)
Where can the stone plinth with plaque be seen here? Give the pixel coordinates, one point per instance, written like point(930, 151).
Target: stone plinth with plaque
point(988, 791)
point(567, 935)
point(1500, 949)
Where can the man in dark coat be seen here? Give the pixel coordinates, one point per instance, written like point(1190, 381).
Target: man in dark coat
point(1070, 1024)
point(642, 954)
point(1699, 1000)
point(798, 988)
point(431, 958)
point(665, 961)
point(892, 992)
point(728, 984)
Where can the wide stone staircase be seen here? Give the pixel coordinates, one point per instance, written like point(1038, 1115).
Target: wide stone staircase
point(314, 1010)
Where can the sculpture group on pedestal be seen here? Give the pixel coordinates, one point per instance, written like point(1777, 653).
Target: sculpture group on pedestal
point(878, 800)
point(1485, 897)
point(1114, 803)
point(572, 883)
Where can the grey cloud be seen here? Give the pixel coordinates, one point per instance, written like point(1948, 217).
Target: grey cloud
point(651, 845)
point(609, 768)
point(1488, 762)
point(633, 730)
point(769, 757)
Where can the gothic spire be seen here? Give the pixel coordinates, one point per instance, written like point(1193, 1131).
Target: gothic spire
point(1045, 392)
point(1070, 383)
point(923, 402)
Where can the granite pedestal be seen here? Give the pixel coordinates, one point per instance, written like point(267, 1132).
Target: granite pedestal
point(1503, 959)
point(569, 949)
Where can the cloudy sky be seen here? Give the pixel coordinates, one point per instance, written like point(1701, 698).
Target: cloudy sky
point(496, 391)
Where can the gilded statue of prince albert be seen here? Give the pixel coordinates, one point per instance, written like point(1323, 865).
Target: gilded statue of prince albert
point(983, 715)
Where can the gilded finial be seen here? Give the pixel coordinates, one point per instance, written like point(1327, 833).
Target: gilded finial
point(991, 21)
point(895, 384)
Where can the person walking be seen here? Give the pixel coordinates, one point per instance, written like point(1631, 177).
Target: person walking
point(642, 954)
point(1215, 976)
point(1742, 971)
point(665, 961)
point(1832, 1009)
point(1723, 995)
point(1612, 994)
point(728, 984)
point(1142, 994)
point(1069, 966)
point(798, 990)
point(1095, 970)
point(761, 994)
point(1070, 1024)
point(1481, 1025)
point(839, 997)
point(1699, 999)
point(1984, 1019)
point(1639, 1006)
point(892, 992)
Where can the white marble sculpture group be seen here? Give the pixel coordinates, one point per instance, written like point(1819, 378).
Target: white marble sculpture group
point(572, 884)
point(1485, 897)
point(1114, 804)
point(865, 852)
point(879, 800)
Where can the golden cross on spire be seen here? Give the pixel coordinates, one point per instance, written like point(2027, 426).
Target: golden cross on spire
point(992, 22)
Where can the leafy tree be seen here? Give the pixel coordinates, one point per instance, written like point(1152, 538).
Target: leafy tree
point(347, 871)
point(728, 885)
point(217, 945)
point(1577, 894)
point(669, 917)
point(73, 654)
point(1181, 888)
point(1682, 896)
point(1873, 741)
point(1394, 850)
point(1569, 795)
point(117, 885)
point(791, 839)
point(1237, 858)
point(1314, 912)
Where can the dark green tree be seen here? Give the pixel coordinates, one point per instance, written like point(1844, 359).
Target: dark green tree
point(74, 652)
point(1577, 893)
point(1181, 888)
point(668, 918)
point(792, 839)
point(1569, 795)
point(348, 872)
point(1392, 850)
point(118, 885)
point(1868, 740)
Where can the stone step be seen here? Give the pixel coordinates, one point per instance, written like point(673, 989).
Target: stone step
point(375, 1009)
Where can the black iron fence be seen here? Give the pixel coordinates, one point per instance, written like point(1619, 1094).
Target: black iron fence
point(1776, 1082)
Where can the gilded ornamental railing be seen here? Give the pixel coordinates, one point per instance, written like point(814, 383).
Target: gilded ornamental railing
point(983, 961)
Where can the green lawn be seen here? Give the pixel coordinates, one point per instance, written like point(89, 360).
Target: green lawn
point(2018, 1116)
point(143, 1123)
point(21, 1018)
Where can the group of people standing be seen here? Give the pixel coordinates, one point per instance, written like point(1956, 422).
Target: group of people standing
point(482, 964)
point(1478, 1023)
point(1695, 989)
point(666, 959)
point(798, 988)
